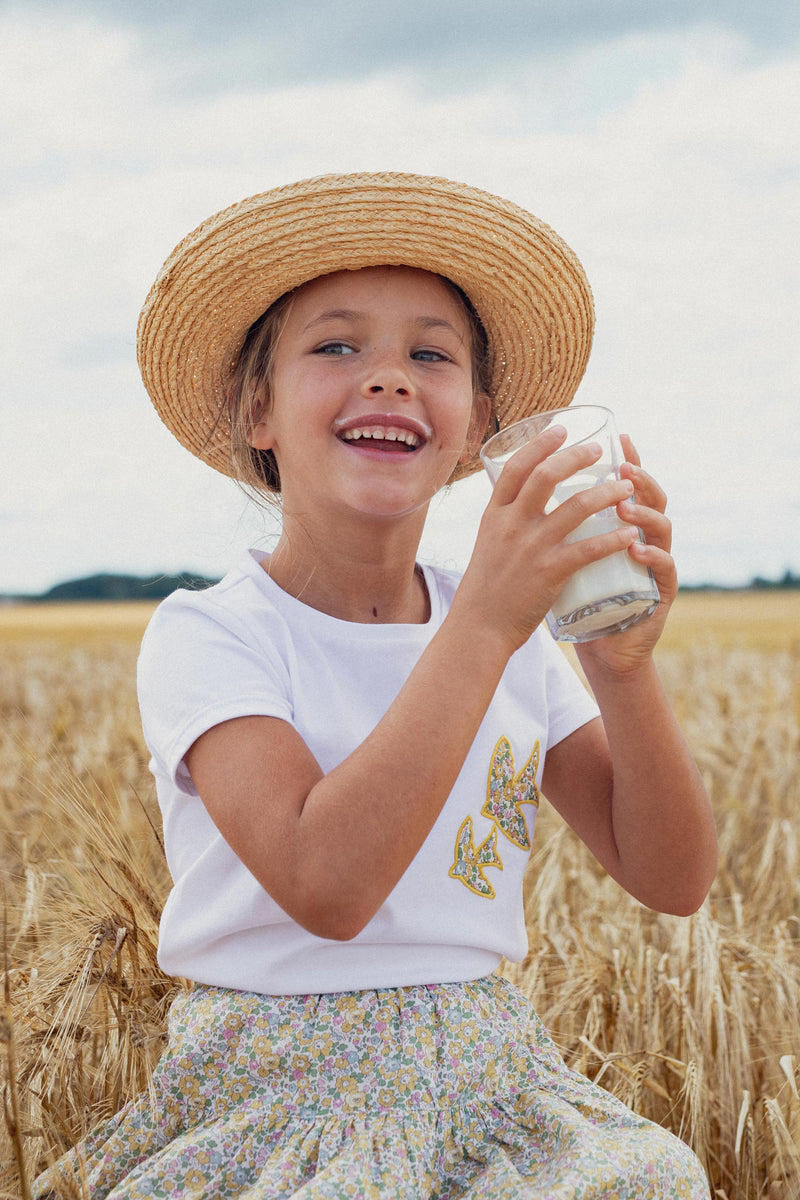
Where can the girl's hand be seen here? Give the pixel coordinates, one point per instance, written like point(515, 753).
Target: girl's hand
point(521, 559)
point(620, 653)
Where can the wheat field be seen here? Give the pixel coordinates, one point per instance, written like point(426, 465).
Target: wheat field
point(693, 1022)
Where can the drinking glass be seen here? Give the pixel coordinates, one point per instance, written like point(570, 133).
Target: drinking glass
point(605, 596)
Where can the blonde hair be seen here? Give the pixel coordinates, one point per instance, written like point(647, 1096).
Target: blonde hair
point(248, 393)
point(249, 397)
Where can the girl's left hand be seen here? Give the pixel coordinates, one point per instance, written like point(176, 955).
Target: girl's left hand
point(620, 653)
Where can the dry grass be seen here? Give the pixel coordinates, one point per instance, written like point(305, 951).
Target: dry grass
point(759, 620)
point(693, 1022)
point(76, 623)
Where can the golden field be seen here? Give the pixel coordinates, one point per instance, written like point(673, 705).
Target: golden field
point(693, 1022)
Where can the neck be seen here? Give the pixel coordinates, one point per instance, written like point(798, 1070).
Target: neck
point(353, 576)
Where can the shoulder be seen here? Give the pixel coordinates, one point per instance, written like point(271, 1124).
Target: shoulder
point(221, 628)
point(229, 603)
point(210, 655)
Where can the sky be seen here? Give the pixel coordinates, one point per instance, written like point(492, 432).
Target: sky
point(661, 140)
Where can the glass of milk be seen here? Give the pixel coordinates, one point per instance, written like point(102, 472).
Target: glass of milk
point(616, 592)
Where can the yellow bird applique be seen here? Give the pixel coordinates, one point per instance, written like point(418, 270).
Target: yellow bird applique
point(469, 862)
point(506, 792)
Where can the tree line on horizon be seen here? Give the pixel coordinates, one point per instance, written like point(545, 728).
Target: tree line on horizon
point(109, 587)
point(122, 587)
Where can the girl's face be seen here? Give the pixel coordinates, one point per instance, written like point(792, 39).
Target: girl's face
point(372, 401)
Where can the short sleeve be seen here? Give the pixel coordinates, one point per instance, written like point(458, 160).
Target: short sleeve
point(569, 704)
point(198, 666)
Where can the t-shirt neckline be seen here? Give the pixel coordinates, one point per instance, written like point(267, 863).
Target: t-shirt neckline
point(285, 601)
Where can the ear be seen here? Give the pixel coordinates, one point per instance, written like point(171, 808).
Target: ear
point(478, 422)
point(259, 435)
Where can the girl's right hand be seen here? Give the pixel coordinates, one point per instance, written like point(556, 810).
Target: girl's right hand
point(521, 559)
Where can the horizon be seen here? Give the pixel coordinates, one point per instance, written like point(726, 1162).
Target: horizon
point(788, 580)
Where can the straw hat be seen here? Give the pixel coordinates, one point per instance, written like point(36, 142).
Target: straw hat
point(525, 283)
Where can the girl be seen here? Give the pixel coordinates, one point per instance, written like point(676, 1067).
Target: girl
point(349, 747)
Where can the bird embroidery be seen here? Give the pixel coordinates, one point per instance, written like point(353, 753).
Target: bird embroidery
point(468, 863)
point(506, 792)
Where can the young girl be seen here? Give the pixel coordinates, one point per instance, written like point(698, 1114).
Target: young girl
point(349, 747)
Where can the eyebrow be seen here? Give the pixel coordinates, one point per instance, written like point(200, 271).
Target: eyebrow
point(349, 314)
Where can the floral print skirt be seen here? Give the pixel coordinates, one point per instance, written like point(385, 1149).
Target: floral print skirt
point(445, 1090)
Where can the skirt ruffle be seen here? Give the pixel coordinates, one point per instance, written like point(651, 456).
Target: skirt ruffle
point(446, 1091)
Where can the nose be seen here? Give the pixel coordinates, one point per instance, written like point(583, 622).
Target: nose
point(387, 377)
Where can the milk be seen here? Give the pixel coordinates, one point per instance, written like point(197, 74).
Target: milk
point(605, 596)
point(616, 592)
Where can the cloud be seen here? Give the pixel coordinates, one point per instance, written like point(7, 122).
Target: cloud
point(668, 160)
point(209, 45)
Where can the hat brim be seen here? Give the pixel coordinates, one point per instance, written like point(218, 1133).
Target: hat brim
point(525, 283)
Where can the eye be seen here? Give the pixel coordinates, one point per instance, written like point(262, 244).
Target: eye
point(430, 356)
point(334, 349)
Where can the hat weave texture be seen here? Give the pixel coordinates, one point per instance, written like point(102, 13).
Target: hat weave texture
point(525, 283)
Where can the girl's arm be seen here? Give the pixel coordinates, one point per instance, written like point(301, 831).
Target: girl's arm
point(629, 788)
point(330, 848)
point(628, 785)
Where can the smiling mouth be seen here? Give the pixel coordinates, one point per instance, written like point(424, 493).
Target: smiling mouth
point(391, 438)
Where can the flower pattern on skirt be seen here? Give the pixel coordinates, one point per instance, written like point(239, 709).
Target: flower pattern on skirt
point(444, 1090)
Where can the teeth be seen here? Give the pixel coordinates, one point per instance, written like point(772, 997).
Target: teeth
point(385, 435)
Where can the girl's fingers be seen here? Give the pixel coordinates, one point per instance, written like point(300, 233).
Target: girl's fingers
point(572, 512)
point(648, 492)
point(524, 461)
point(629, 450)
point(532, 475)
point(656, 527)
point(591, 549)
point(662, 564)
point(540, 465)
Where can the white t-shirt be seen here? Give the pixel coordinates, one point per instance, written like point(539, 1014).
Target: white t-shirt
point(245, 647)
